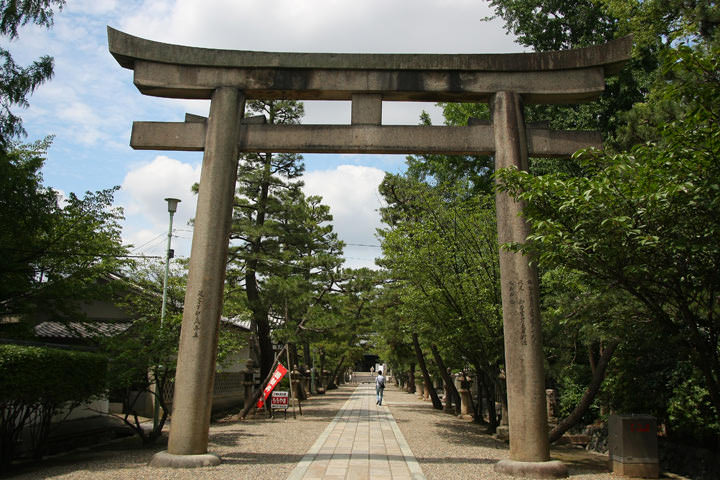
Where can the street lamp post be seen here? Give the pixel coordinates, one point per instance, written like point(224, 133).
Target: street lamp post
point(172, 208)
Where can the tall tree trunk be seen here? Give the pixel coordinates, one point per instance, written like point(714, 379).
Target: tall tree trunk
point(488, 386)
point(319, 375)
point(262, 325)
point(492, 412)
point(259, 392)
point(501, 386)
point(426, 375)
point(589, 395)
point(411, 379)
point(334, 377)
point(454, 395)
point(306, 354)
point(259, 310)
point(478, 413)
point(703, 348)
point(292, 348)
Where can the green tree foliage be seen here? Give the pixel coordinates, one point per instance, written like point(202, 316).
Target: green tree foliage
point(556, 25)
point(645, 221)
point(665, 22)
point(547, 25)
point(663, 84)
point(440, 245)
point(35, 384)
point(144, 358)
point(343, 327)
point(475, 171)
point(54, 250)
point(17, 82)
point(393, 342)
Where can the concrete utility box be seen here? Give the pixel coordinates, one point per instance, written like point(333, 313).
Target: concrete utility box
point(632, 440)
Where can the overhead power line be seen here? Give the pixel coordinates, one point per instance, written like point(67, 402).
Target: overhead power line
point(81, 254)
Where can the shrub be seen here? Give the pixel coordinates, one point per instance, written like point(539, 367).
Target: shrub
point(35, 382)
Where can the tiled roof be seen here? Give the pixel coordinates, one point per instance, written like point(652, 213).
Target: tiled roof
point(80, 329)
point(237, 322)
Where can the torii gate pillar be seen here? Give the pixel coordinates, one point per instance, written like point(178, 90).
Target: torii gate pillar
point(527, 415)
point(195, 374)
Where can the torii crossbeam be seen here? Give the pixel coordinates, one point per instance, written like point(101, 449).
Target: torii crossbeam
point(230, 77)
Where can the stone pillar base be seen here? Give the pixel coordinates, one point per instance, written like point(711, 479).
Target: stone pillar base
point(636, 470)
point(549, 469)
point(165, 459)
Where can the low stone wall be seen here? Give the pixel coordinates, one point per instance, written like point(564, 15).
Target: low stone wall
point(229, 390)
point(363, 377)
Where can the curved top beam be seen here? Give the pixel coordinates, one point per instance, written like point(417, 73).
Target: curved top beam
point(127, 49)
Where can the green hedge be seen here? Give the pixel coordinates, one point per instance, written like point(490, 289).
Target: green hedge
point(34, 374)
point(36, 382)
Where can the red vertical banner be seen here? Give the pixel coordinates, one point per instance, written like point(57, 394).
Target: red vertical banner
point(277, 375)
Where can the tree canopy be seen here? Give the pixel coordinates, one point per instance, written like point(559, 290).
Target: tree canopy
point(283, 252)
point(17, 82)
point(54, 249)
point(645, 221)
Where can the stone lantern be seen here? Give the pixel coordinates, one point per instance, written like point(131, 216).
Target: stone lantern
point(465, 395)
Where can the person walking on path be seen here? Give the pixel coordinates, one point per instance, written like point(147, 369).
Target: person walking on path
point(379, 387)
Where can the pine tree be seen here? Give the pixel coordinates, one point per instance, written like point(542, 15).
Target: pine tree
point(282, 249)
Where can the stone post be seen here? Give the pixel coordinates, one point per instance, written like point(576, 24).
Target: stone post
point(465, 396)
point(321, 382)
point(551, 402)
point(305, 379)
point(195, 376)
point(295, 378)
point(529, 446)
point(419, 386)
point(504, 418)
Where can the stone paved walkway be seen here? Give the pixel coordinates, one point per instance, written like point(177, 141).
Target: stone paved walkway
point(362, 442)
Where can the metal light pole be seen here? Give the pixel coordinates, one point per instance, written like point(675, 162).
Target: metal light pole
point(172, 208)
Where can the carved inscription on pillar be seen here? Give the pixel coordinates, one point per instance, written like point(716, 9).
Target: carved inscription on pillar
point(517, 300)
point(198, 309)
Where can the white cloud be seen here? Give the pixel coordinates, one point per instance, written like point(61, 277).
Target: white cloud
point(92, 7)
point(393, 113)
point(91, 102)
point(146, 242)
point(448, 26)
point(351, 191)
point(142, 195)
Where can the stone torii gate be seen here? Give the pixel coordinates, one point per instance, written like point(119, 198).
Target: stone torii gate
point(229, 77)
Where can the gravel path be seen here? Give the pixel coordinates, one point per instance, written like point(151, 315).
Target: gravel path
point(257, 448)
point(449, 448)
point(446, 447)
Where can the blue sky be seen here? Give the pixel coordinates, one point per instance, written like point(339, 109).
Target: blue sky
point(91, 102)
